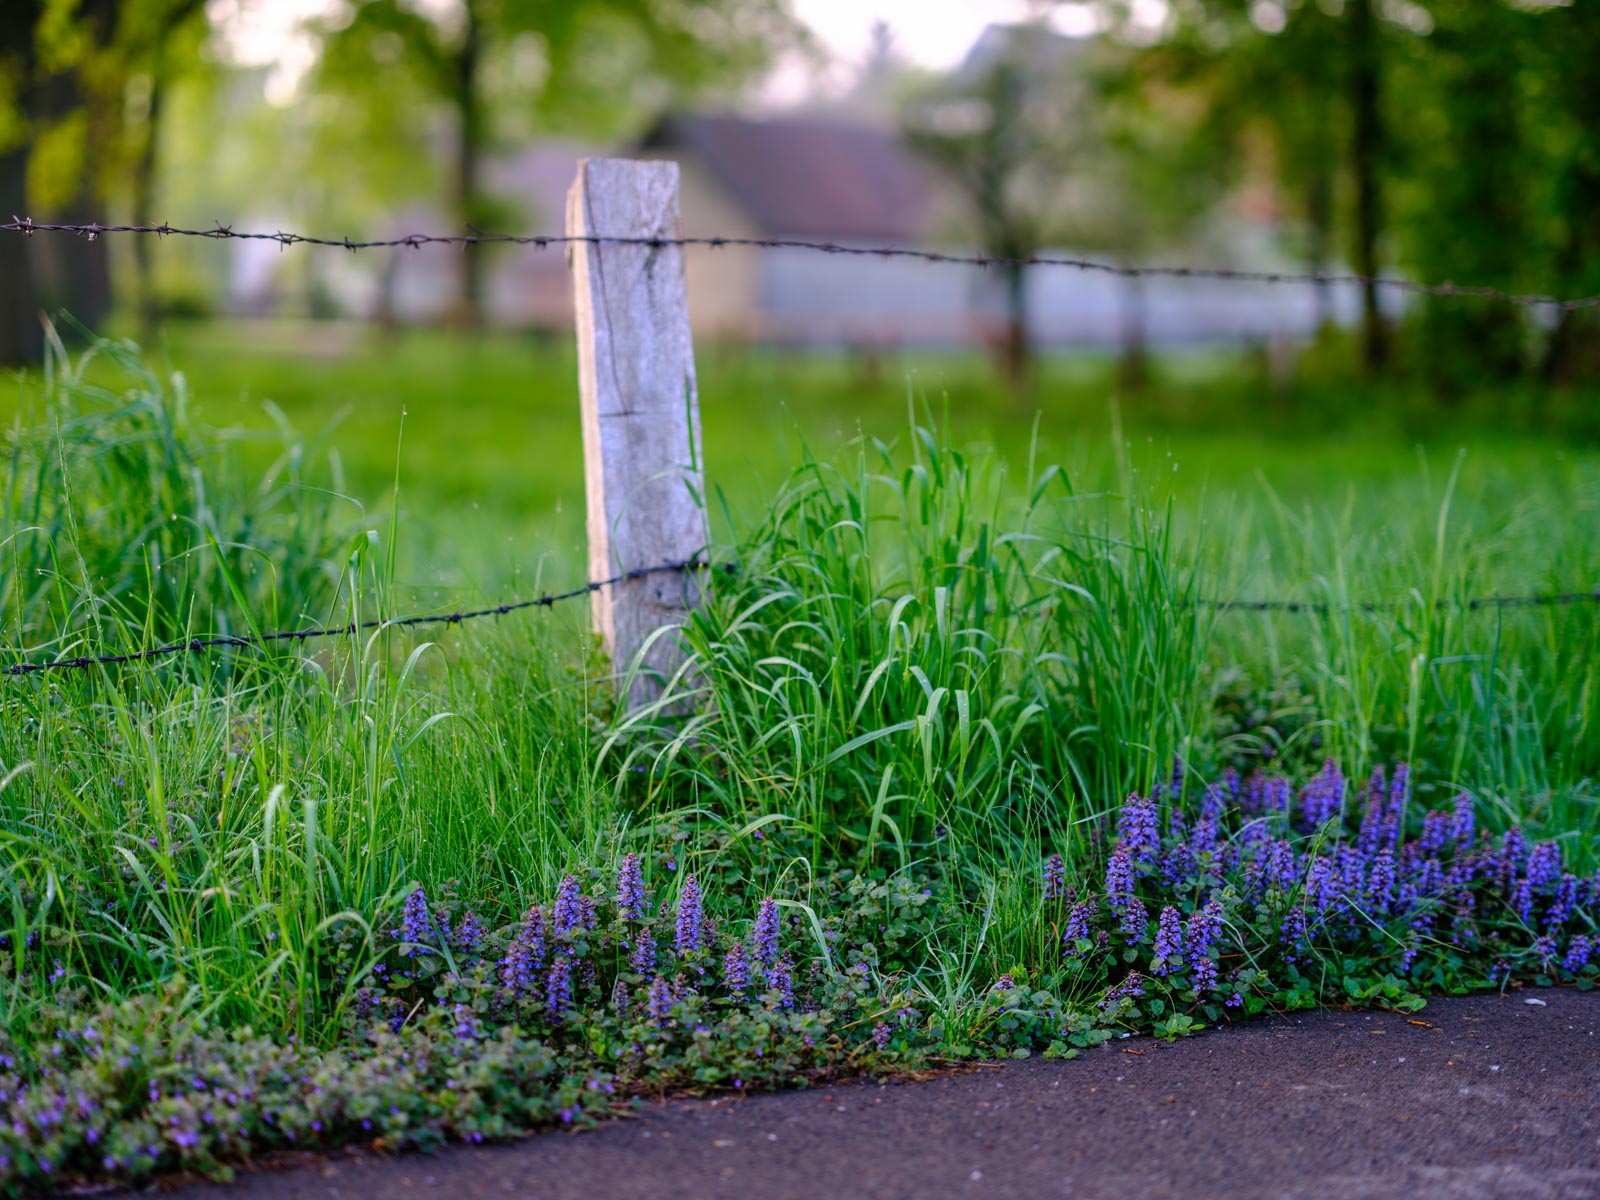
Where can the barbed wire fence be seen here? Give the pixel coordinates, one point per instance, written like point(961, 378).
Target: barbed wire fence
point(27, 227)
point(415, 241)
point(199, 645)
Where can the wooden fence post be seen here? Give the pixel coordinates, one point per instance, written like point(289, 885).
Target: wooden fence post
point(644, 479)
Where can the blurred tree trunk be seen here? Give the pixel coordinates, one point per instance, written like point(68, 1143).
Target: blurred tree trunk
point(72, 273)
point(21, 340)
point(1479, 228)
point(1319, 217)
point(469, 147)
point(1366, 153)
point(1573, 351)
point(145, 164)
point(1016, 351)
point(144, 186)
point(1133, 361)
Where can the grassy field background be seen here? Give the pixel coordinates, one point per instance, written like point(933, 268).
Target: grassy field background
point(482, 436)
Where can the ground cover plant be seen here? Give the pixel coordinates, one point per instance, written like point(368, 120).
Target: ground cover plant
point(382, 889)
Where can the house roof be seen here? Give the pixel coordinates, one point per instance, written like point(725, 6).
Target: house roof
point(1034, 47)
point(809, 178)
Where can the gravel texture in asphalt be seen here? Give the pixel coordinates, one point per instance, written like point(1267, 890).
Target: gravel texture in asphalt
point(1483, 1096)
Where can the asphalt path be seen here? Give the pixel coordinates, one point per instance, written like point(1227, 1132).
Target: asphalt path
point(1483, 1096)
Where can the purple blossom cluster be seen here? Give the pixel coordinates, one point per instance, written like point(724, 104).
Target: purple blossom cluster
point(1292, 873)
point(632, 904)
point(561, 960)
point(1055, 875)
point(689, 928)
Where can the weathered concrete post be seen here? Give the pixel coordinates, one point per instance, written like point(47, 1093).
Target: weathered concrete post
point(644, 477)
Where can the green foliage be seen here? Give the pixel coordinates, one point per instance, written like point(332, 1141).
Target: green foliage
point(1476, 164)
point(128, 524)
point(931, 668)
point(499, 68)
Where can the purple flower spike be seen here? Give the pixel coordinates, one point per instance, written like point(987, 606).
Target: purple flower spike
point(780, 980)
point(1464, 823)
point(1544, 865)
point(568, 915)
point(558, 989)
point(1375, 816)
point(518, 969)
point(1322, 799)
point(1129, 989)
point(643, 957)
point(659, 1002)
point(1513, 852)
point(767, 933)
point(1135, 919)
point(1578, 953)
point(1292, 934)
point(690, 935)
point(1381, 882)
point(1077, 928)
point(1139, 830)
point(470, 935)
point(1205, 931)
point(631, 902)
point(1054, 878)
point(1119, 877)
point(415, 926)
point(736, 970)
point(1438, 831)
point(1168, 951)
point(1565, 902)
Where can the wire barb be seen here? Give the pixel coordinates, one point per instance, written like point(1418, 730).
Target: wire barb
point(28, 227)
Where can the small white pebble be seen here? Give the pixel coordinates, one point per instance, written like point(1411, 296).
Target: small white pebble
point(772, 1137)
point(1536, 1003)
point(976, 1175)
point(1496, 1067)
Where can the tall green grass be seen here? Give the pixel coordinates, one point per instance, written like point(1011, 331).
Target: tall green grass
point(126, 523)
point(927, 659)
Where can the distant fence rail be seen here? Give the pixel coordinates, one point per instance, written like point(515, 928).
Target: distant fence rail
point(415, 241)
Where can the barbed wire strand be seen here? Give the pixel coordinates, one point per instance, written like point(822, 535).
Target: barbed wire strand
point(197, 645)
point(27, 227)
point(1472, 604)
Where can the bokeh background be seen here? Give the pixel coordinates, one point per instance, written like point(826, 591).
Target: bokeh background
point(1435, 140)
point(1446, 140)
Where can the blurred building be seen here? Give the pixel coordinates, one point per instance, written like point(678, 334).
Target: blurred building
point(849, 185)
point(828, 178)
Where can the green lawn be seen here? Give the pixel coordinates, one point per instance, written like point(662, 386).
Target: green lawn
point(483, 436)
